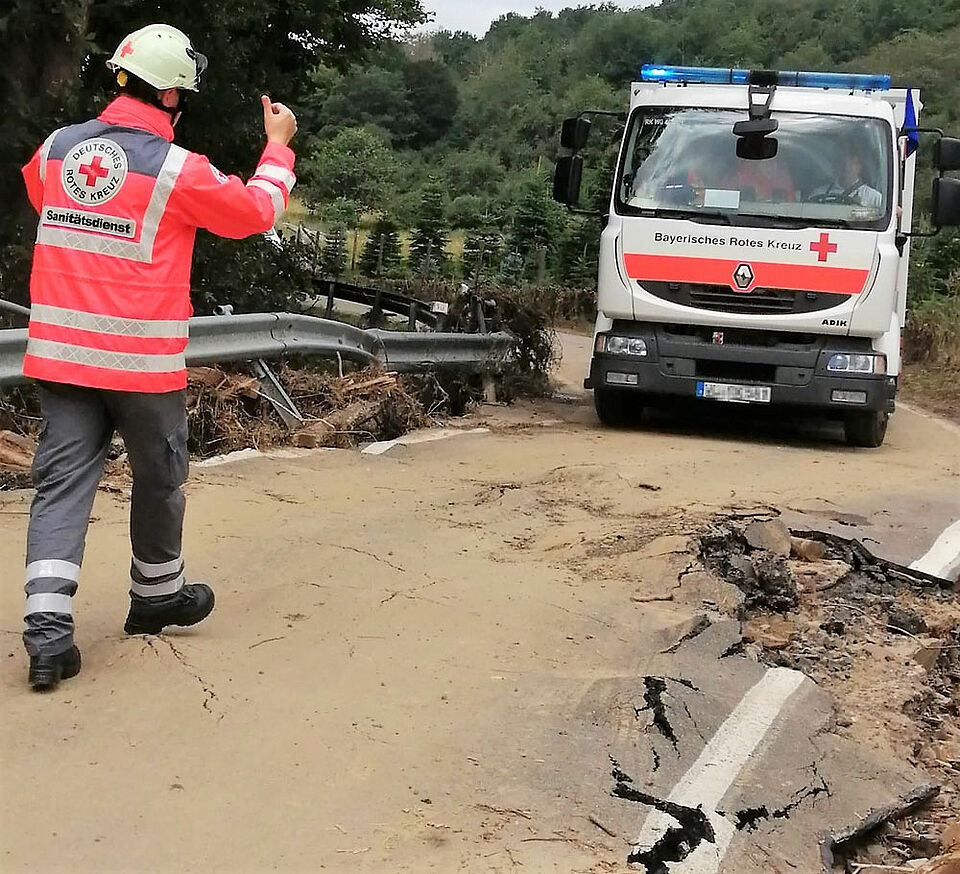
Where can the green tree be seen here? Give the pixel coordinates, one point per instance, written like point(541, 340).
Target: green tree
point(468, 211)
point(428, 242)
point(381, 254)
point(536, 226)
point(356, 164)
point(456, 50)
point(482, 253)
point(432, 95)
point(366, 97)
point(579, 253)
point(333, 260)
point(474, 171)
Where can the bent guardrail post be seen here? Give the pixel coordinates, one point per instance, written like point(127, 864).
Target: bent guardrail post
point(270, 386)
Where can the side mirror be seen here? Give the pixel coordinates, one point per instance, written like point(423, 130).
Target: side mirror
point(567, 179)
point(574, 133)
point(946, 202)
point(946, 154)
point(757, 148)
point(756, 127)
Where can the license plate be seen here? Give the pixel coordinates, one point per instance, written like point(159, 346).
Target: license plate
point(738, 394)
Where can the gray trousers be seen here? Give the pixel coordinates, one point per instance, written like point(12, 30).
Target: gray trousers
point(78, 425)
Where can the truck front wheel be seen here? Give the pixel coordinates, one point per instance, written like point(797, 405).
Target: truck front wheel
point(616, 408)
point(865, 429)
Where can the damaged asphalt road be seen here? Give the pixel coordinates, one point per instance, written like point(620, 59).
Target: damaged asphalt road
point(752, 788)
point(748, 765)
point(425, 661)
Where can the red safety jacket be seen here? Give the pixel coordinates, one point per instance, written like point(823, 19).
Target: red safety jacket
point(119, 207)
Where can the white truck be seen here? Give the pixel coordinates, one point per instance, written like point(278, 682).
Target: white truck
point(756, 244)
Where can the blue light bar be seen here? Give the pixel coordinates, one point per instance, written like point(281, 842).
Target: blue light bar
point(702, 75)
point(849, 81)
point(728, 76)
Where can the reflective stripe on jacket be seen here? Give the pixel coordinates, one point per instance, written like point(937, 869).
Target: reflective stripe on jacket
point(119, 207)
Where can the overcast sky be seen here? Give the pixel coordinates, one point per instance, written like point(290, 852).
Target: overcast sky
point(476, 16)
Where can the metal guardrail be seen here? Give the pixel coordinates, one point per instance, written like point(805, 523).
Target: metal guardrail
point(408, 351)
point(377, 299)
point(215, 339)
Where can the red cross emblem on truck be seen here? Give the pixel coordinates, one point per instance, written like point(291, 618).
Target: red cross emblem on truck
point(824, 248)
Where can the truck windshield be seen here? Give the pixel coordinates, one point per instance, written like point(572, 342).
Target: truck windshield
point(827, 171)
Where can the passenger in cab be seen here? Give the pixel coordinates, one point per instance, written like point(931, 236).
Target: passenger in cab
point(768, 179)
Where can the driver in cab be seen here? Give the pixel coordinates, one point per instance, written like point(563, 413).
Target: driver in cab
point(850, 187)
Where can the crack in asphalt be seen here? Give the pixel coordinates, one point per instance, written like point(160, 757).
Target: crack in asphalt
point(735, 649)
point(655, 690)
point(372, 555)
point(691, 568)
point(749, 818)
point(700, 625)
point(411, 594)
point(191, 670)
point(678, 842)
point(653, 696)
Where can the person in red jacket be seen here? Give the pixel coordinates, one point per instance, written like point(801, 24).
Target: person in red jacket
point(119, 205)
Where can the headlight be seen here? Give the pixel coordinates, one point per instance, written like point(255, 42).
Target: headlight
point(844, 362)
point(634, 346)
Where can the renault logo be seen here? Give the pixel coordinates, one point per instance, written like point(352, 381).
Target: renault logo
point(743, 277)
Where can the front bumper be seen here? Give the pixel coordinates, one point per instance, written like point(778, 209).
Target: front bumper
point(680, 359)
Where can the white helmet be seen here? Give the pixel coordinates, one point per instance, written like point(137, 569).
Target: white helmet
point(161, 56)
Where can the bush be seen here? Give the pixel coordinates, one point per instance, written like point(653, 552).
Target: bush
point(517, 310)
point(254, 275)
point(932, 333)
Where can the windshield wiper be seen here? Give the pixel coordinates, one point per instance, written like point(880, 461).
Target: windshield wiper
point(775, 221)
point(839, 223)
point(697, 215)
point(792, 221)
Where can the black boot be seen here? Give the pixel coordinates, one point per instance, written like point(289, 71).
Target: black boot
point(47, 670)
point(151, 615)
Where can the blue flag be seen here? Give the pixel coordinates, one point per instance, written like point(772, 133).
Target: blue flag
point(910, 121)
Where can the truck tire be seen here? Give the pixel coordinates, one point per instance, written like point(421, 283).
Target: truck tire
point(616, 408)
point(866, 429)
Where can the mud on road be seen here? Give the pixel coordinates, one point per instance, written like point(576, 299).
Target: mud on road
point(483, 654)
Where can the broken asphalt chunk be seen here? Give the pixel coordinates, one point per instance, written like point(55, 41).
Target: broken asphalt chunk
point(770, 535)
point(845, 840)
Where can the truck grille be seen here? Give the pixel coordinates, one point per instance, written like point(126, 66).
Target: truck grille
point(721, 298)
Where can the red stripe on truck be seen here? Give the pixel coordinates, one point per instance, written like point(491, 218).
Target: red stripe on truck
point(719, 271)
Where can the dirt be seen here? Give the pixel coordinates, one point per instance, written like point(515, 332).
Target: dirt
point(410, 663)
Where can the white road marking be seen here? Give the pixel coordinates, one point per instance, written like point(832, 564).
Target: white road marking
point(943, 558)
point(419, 437)
point(722, 759)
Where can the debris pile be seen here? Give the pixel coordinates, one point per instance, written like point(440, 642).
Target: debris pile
point(16, 456)
point(228, 410)
point(884, 639)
